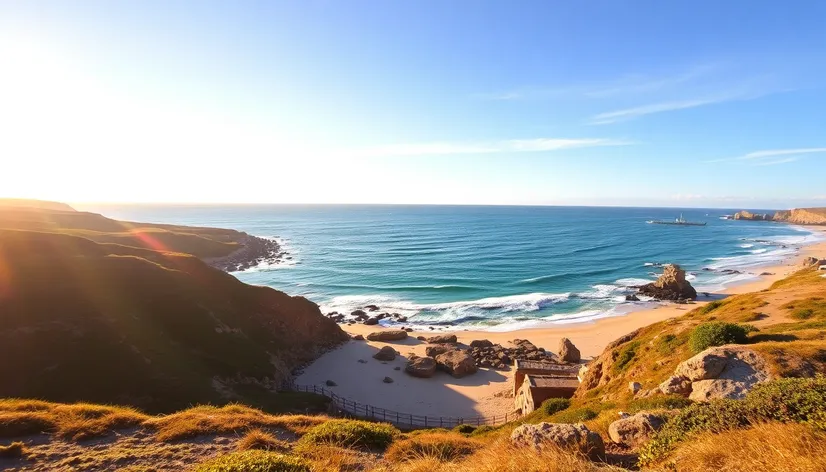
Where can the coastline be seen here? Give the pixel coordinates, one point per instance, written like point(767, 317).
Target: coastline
point(485, 393)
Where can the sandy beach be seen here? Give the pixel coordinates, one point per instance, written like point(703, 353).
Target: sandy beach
point(486, 392)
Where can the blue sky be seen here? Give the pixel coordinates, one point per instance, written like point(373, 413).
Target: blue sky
point(702, 103)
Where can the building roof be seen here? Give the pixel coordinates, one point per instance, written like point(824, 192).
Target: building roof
point(549, 367)
point(547, 381)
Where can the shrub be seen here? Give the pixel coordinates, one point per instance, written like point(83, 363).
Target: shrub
point(352, 434)
point(15, 449)
point(575, 416)
point(254, 461)
point(716, 333)
point(464, 429)
point(555, 405)
point(799, 400)
point(444, 447)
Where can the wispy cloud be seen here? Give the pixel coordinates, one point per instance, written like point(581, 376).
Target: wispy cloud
point(636, 112)
point(492, 147)
point(769, 157)
point(782, 152)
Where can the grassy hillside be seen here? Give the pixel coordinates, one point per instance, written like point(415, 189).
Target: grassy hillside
point(200, 242)
point(80, 320)
point(29, 203)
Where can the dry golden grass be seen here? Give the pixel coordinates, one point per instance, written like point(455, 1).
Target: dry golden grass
point(502, 457)
point(771, 447)
point(15, 449)
point(440, 446)
point(210, 420)
point(73, 421)
point(259, 439)
point(328, 458)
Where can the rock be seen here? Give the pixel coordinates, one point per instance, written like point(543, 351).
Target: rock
point(719, 372)
point(387, 380)
point(810, 261)
point(387, 335)
point(676, 385)
point(567, 351)
point(433, 351)
point(635, 430)
point(574, 437)
point(371, 321)
point(421, 338)
point(671, 285)
point(409, 330)
point(443, 339)
point(481, 343)
point(357, 337)
point(397, 368)
point(386, 353)
point(634, 387)
point(749, 216)
point(632, 298)
point(358, 313)
point(423, 367)
point(330, 383)
point(371, 308)
point(457, 363)
point(362, 361)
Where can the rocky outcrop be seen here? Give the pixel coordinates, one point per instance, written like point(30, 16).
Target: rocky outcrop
point(253, 251)
point(388, 335)
point(671, 285)
point(718, 372)
point(443, 339)
point(423, 367)
point(575, 437)
point(435, 350)
point(567, 351)
point(749, 216)
point(636, 430)
point(386, 353)
point(457, 363)
point(481, 343)
point(802, 216)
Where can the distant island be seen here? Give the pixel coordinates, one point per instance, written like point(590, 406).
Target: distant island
point(798, 216)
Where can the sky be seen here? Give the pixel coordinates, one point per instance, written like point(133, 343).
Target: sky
point(605, 102)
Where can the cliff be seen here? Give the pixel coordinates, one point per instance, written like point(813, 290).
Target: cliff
point(28, 203)
point(802, 216)
point(103, 322)
point(798, 216)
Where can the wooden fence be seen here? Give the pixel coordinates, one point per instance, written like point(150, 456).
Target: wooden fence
point(348, 407)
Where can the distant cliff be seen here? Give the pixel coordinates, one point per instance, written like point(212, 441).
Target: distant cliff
point(802, 216)
point(799, 216)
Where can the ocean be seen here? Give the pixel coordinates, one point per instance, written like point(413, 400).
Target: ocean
point(487, 267)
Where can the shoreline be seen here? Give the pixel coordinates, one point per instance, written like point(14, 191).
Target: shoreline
point(488, 392)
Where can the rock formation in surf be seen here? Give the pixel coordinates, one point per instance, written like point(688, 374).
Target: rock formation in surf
point(671, 285)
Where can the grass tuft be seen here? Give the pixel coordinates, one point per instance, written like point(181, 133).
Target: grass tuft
point(14, 450)
point(254, 461)
point(351, 434)
point(444, 447)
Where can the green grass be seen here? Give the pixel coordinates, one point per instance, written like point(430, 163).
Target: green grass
point(254, 461)
point(552, 406)
point(807, 309)
point(351, 434)
point(625, 355)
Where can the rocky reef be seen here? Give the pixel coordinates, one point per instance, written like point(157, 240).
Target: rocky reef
point(254, 251)
point(749, 216)
point(671, 285)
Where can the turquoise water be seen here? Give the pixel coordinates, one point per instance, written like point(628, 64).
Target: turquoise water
point(501, 267)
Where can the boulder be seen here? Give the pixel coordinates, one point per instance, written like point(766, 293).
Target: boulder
point(433, 351)
point(330, 383)
point(457, 363)
point(671, 285)
point(387, 380)
point(372, 308)
point(567, 351)
point(386, 353)
point(481, 343)
point(634, 387)
point(358, 337)
point(372, 321)
point(635, 430)
point(810, 261)
point(358, 313)
point(576, 437)
point(387, 335)
point(676, 385)
point(443, 339)
point(423, 367)
point(722, 372)
point(632, 298)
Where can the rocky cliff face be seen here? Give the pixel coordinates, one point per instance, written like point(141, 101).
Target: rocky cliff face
point(671, 285)
point(802, 216)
